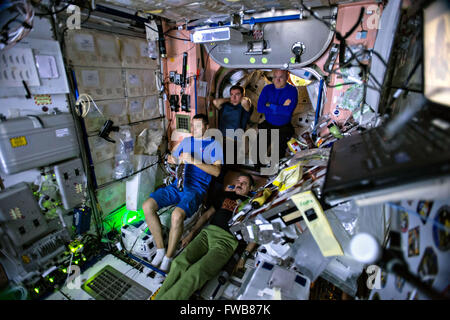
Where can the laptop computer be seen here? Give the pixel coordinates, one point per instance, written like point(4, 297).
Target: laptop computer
point(383, 160)
point(369, 163)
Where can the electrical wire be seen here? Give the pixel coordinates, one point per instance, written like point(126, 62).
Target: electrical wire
point(84, 100)
point(49, 12)
point(134, 173)
point(10, 37)
point(206, 66)
point(88, 16)
point(23, 292)
point(70, 268)
point(353, 56)
point(176, 38)
point(166, 33)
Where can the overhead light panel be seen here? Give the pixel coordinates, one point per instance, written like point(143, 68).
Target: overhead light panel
point(216, 34)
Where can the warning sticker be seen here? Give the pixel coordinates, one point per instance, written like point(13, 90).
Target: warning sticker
point(18, 141)
point(42, 99)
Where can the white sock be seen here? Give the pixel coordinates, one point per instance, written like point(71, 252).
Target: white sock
point(160, 254)
point(165, 265)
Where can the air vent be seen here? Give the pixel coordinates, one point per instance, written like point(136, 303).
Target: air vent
point(183, 123)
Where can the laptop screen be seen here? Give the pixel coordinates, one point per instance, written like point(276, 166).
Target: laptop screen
point(436, 46)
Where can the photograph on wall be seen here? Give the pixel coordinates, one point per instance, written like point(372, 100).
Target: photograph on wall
point(424, 209)
point(441, 228)
point(413, 242)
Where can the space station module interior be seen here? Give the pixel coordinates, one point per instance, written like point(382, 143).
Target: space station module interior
point(95, 95)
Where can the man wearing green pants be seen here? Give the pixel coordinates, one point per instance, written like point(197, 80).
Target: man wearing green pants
point(210, 250)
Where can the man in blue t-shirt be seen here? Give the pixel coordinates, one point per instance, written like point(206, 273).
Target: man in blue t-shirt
point(277, 101)
point(203, 158)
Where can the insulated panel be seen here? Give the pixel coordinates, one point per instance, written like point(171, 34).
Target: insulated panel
point(134, 81)
point(94, 119)
point(100, 83)
point(92, 48)
point(101, 149)
point(136, 108)
point(81, 48)
point(149, 78)
point(115, 110)
point(151, 108)
point(134, 54)
point(148, 136)
point(112, 197)
point(104, 171)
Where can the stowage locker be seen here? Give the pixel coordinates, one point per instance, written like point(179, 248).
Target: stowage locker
point(36, 141)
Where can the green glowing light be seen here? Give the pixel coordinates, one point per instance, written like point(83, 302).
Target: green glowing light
point(64, 270)
point(51, 280)
point(132, 219)
point(252, 60)
point(293, 60)
point(226, 60)
point(264, 60)
point(121, 217)
point(36, 290)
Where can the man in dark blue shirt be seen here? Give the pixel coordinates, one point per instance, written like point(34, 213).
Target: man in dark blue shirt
point(277, 101)
point(234, 112)
point(203, 158)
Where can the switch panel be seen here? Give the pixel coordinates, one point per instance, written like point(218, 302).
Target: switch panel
point(174, 100)
point(20, 215)
point(185, 100)
point(70, 178)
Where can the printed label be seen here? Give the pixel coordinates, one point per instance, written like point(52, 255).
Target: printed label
point(133, 79)
point(144, 49)
point(18, 141)
point(62, 132)
point(90, 78)
point(85, 42)
point(135, 106)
